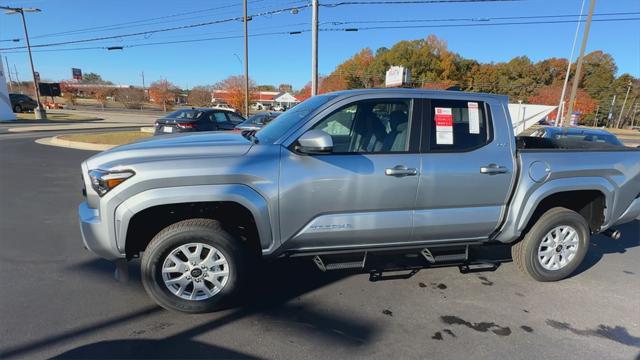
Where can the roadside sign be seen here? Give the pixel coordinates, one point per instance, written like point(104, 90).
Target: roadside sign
point(396, 76)
point(76, 73)
point(49, 89)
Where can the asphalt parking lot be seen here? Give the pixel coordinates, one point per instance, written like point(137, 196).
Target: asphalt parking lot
point(58, 300)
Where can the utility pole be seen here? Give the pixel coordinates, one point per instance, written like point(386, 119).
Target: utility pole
point(566, 77)
point(576, 79)
point(246, 62)
point(595, 119)
point(314, 48)
point(623, 104)
point(9, 72)
point(613, 104)
point(15, 70)
point(39, 111)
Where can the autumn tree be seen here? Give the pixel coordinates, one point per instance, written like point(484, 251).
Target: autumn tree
point(332, 82)
point(234, 91)
point(163, 92)
point(200, 96)
point(304, 93)
point(69, 92)
point(549, 95)
point(130, 98)
point(101, 94)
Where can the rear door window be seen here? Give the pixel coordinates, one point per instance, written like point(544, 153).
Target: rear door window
point(458, 126)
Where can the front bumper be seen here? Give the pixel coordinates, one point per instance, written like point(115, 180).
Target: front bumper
point(96, 235)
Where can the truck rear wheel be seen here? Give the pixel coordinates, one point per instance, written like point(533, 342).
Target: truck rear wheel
point(554, 247)
point(193, 266)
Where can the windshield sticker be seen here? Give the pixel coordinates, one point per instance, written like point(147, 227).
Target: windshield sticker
point(474, 118)
point(444, 126)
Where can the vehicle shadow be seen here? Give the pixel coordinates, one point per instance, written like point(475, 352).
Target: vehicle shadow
point(151, 349)
point(273, 299)
point(602, 245)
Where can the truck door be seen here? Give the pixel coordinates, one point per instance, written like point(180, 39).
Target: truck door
point(363, 192)
point(467, 166)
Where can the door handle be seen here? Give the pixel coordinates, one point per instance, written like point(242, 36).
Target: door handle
point(493, 169)
point(401, 170)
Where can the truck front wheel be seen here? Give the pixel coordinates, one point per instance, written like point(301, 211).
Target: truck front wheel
point(193, 266)
point(554, 246)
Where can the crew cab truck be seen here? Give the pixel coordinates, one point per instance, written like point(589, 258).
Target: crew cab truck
point(353, 174)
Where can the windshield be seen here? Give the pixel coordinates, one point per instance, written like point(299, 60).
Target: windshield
point(184, 114)
point(601, 138)
point(255, 119)
point(280, 125)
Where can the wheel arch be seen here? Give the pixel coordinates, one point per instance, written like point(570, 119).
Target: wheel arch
point(235, 206)
point(591, 197)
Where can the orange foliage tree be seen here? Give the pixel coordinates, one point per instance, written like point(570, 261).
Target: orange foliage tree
point(163, 92)
point(69, 92)
point(234, 93)
point(550, 95)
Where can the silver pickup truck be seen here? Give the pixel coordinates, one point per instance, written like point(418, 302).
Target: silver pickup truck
point(345, 178)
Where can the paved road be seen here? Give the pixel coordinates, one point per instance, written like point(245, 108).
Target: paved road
point(59, 300)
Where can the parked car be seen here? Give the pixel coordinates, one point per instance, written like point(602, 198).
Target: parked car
point(224, 107)
point(279, 107)
point(258, 121)
point(577, 133)
point(197, 119)
point(21, 103)
point(348, 179)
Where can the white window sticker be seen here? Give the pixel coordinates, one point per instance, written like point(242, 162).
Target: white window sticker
point(444, 126)
point(474, 118)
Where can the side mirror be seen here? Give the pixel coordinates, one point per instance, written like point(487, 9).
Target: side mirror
point(315, 142)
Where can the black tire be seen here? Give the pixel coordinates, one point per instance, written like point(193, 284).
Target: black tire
point(17, 109)
point(525, 252)
point(204, 231)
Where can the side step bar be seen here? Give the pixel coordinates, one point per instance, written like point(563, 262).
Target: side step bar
point(340, 265)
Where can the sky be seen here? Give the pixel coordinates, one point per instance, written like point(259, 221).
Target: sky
point(286, 58)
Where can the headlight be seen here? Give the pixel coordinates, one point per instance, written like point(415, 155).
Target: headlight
point(102, 181)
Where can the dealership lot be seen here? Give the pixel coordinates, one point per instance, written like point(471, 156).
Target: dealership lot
point(60, 300)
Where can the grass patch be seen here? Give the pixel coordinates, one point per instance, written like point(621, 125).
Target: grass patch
point(56, 117)
point(108, 138)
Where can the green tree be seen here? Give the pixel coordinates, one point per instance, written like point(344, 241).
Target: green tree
point(93, 78)
point(599, 71)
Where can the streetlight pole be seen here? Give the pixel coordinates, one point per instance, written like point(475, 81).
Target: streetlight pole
point(39, 111)
point(576, 78)
point(246, 62)
point(623, 104)
point(314, 48)
point(566, 76)
point(9, 72)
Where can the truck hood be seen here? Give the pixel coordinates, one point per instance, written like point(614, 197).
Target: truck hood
point(169, 147)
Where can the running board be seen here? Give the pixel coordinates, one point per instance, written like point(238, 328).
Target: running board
point(339, 265)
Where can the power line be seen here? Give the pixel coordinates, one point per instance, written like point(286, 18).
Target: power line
point(405, 2)
point(334, 30)
point(478, 19)
point(138, 22)
point(190, 26)
point(472, 25)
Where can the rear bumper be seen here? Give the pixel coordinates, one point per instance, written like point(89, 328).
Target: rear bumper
point(632, 213)
point(95, 234)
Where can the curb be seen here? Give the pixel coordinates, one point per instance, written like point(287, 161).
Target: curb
point(65, 127)
point(56, 141)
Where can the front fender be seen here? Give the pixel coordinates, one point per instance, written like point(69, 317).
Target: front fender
point(240, 194)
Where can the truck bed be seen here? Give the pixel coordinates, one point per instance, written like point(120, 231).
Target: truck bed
point(539, 143)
